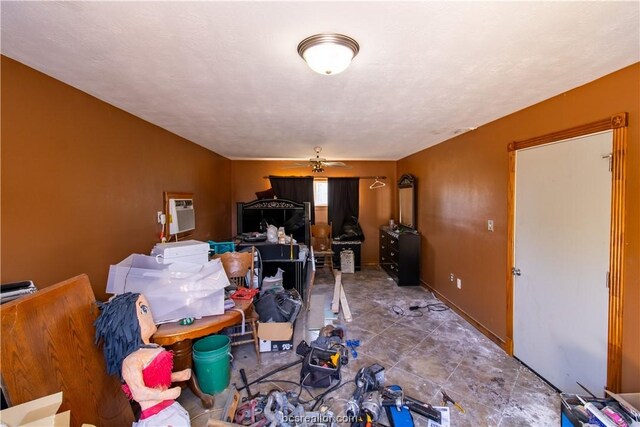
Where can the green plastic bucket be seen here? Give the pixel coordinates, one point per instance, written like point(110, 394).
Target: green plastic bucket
point(211, 363)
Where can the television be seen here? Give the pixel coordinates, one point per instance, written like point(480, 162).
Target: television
point(293, 216)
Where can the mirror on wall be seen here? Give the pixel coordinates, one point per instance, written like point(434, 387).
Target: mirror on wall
point(406, 201)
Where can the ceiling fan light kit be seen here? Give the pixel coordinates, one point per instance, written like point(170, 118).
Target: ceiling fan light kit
point(318, 164)
point(328, 54)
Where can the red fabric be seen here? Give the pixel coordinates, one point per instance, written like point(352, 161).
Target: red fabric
point(155, 409)
point(157, 374)
point(244, 293)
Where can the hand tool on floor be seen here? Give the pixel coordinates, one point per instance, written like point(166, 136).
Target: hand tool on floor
point(446, 399)
point(228, 414)
point(268, 374)
point(243, 375)
point(352, 344)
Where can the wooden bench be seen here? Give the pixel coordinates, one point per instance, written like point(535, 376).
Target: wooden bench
point(48, 346)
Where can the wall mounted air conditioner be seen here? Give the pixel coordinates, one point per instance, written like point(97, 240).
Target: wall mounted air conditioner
point(181, 216)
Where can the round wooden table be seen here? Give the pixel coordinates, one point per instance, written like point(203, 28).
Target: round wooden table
point(179, 339)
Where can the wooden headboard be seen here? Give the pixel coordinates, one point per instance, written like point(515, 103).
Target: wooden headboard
point(47, 347)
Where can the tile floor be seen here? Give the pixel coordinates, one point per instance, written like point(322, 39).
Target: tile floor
point(424, 355)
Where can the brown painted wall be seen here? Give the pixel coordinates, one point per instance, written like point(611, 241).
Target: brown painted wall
point(82, 181)
point(463, 182)
point(376, 206)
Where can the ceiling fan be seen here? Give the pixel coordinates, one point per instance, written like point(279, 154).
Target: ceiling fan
point(318, 163)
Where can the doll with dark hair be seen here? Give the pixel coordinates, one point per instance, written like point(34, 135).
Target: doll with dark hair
point(124, 328)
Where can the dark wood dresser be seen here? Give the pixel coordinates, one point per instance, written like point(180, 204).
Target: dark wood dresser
point(400, 255)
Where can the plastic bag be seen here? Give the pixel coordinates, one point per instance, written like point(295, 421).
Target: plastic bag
point(272, 234)
point(273, 282)
point(174, 291)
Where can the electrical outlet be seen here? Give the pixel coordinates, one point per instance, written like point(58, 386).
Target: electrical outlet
point(451, 276)
point(159, 217)
point(459, 283)
point(490, 225)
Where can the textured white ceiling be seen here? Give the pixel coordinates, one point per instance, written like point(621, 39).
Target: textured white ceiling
point(226, 75)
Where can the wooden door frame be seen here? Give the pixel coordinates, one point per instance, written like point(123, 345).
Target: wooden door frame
point(618, 124)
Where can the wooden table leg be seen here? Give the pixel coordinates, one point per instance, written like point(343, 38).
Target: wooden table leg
point(182, 352)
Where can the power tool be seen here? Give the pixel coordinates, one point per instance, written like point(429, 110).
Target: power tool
point(368, 381)
point(393, 397)
point(397, 414)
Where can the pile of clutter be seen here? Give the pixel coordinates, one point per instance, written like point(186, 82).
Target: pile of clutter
point(321, 362)
point(278, 305)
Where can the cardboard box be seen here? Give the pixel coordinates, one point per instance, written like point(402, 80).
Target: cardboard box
point(37, 413)
point(275, 336)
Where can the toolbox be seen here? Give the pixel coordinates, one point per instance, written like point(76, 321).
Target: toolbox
point(576, 411)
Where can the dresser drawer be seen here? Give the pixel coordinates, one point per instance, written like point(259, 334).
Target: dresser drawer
point(400, 255)
point(393, 254)
point(393, 243)
point(393, 266)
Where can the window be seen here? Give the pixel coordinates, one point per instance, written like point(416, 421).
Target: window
point(320, 192)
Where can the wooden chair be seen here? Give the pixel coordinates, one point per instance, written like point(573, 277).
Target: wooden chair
point(237, 265)
point(321, 243)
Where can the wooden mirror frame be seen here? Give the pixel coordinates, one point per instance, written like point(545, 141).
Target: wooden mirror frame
point(618, 124)
point(407, 181)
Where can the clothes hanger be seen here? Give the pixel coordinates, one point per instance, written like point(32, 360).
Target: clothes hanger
point(377, 184)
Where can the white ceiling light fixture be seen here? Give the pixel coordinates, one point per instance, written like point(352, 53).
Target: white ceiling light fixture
point(328, 53)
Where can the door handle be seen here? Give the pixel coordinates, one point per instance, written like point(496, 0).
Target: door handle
point(515, 271)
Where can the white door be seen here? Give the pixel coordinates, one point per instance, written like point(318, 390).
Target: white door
point(562, 223)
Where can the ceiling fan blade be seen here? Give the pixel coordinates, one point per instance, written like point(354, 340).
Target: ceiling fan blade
point(339, 164)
